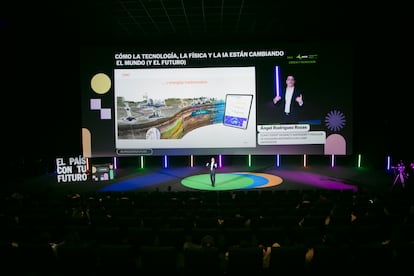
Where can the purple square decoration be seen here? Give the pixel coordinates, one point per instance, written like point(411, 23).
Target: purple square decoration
point(95, 104)
point(105, 113)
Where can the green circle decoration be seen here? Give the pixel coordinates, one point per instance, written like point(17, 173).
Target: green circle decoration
point(231, 181)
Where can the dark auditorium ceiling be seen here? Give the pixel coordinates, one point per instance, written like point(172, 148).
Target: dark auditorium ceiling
point(186, 21)
point(236, 20)
point(209, 19)
point(230, 20)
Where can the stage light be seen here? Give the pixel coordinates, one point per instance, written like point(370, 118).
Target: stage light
point(87, 163)
point(142, 162)
point(359, 160)
point(276, 81)
point(250, 160)
point(165, 161)
point(304, 161)
point(220, 161)
point(332, 160)
point(115, 163)
point(388, 163)
point(191, 161)
point(277, 161)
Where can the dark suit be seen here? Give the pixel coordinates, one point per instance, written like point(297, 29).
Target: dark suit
point(293, 116)
point(213, 173)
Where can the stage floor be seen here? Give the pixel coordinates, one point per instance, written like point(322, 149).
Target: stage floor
point(227, 178)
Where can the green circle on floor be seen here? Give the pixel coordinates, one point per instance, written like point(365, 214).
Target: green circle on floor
point(224, 181)
point(232, 181)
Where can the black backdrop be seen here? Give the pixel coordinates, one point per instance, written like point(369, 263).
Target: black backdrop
point(41, 94)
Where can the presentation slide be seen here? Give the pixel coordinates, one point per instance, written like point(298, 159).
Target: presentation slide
point(261, 99)
point(182, 108)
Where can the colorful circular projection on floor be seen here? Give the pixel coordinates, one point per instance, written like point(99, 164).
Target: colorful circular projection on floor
point(232, 181)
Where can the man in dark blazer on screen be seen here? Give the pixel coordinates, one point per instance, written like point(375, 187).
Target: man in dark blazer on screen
point(290, 102)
